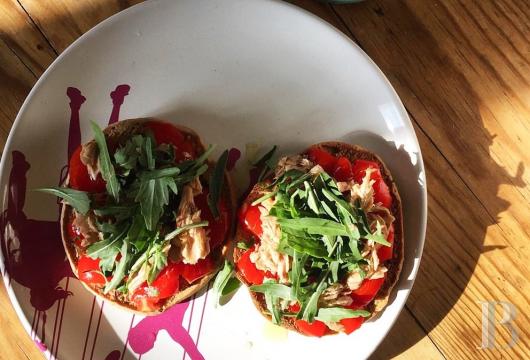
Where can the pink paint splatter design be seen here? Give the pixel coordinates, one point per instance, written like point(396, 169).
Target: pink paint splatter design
point(233, 156)
point(42, 347)
point(33, 253)
point(29, 246)
point(142, 336)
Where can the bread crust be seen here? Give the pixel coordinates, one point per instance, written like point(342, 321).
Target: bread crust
point(394, 265)
point(116, 134)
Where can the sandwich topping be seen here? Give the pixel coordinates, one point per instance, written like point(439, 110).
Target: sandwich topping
point(320, 233)
point(146, 220)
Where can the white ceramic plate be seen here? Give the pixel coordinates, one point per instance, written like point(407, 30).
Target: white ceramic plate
point(244, 74)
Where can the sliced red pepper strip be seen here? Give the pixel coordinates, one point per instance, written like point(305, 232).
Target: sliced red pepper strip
point(386, 252)
point(78, 177)
point(89, 272)
point(366, 292)
point(322, 158)
point(316, 328)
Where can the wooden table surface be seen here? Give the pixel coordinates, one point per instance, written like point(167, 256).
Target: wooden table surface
point(462, 69)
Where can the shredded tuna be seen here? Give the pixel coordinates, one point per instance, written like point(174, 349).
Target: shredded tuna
point(335, 326)
point(364, 191)
point(87, 227)
point(138, 279)
point(369, 253)
point(380, 273)
point(335, 295)
point(266, 257)
point(317, 169)
point(297, 162)
point(192, 244)
point(354, 280)
point(376, 214)
point(384, 218)
point(344, 186)
point(373, 269)
point(89, 157)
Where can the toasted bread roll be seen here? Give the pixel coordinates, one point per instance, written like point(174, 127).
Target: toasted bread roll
point(393, 265)
point(116, 135)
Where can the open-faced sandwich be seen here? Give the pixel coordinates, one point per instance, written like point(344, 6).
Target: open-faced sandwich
point(320, 241)
point(146, 216)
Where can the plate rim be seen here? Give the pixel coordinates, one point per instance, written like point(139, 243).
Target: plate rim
point(138, 7)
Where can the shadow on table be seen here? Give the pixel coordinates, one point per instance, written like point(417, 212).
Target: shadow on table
point(458, 221)
point(393, 23)
point(404, 165)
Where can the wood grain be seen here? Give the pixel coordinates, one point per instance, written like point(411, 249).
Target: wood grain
point(423, 349)
point(20, 34)
point(463, 83)
point(461, 69)
point(18, 345)
point(63, 21)
point(16, 80)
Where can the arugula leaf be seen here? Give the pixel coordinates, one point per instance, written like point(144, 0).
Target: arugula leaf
point(106, 227)
point(150, 262)
point(364, 226)
point(119, 212)
point(295, 275)
point(263, 198)
point(216, 184)
point(312, 200)
point(283, 245)
point(119, 274)
point(177, 231)
point(79, 200)
point(141, 260)
point(106, 167)
point(277, 290)
point(310, 308)
point(137, 234)
point(330, 242)
point(272, 303)
point(150, 160)
point(355, 249)
point(378, 236)
point(101, 247)
point(123, 288)
point(128, 155)
point(243, 245)
point(159, 173)
point(107, 260)
point(334, 267)
point(336, 314)
point(305, 245)
point(165, 154)
point(317, 226)
point(158, 261)
point(232, 285)
point(153, 196)
point(193, 165)
point(341, 204)
point(266, 163)
point(224, 282)
point(191, 174)
point(204, 156)
point(295, 177)
point(268, 156)
point(329, 211)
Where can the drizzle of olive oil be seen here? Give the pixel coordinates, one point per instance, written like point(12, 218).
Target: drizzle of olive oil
point(274, 332)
